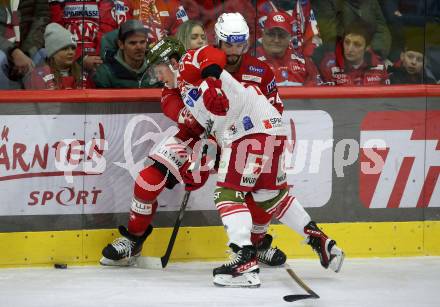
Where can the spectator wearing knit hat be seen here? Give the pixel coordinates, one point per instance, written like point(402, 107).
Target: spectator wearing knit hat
point(60, 71)
point(128, 67)
point(409, 69)
point(290, 66)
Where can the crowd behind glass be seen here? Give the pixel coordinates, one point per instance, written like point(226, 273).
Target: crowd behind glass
point(73, 44)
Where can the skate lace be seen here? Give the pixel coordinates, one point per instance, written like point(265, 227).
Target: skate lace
point(234, 258)
point(123, 246)
point(266, 254)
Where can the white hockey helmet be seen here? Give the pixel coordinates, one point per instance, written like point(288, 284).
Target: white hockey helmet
point(231, 28)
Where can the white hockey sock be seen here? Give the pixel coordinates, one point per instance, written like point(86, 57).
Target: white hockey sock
point(296, 217)
point(238, 226)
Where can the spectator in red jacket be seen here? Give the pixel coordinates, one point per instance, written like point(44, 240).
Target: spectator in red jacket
point(290, 66)
point(353, 62)
point(60, 71)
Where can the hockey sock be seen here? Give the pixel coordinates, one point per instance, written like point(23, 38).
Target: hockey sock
point(294, 216)
point(149, 184)
point(260, 221)
point(235, 215)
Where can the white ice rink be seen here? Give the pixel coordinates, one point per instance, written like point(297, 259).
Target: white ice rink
point(386, 282)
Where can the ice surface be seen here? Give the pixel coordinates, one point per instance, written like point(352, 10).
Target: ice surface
point(390, 282)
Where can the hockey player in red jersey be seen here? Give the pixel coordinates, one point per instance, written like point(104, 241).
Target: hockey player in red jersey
point(251, 135)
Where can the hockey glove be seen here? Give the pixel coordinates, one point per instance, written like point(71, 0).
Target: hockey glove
point(193, 178)
point(187, 120)
point(214, 98)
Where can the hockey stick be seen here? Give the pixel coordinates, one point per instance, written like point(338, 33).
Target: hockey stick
point(297, 297)
point(165, 258)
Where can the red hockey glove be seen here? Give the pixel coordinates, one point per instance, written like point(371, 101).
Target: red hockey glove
point(214, 98)
point(193, 179)
point(187, 120)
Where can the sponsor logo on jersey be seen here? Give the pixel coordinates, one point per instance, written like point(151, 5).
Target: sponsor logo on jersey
point(273, 122)
point(247, 123)
point(400, 159)
point(373, 78)
point(298, 58)
point(251, 78)
point(295, 67)
point(331, 63)
point(271, 86)
point(192, 96)
point(80, 10)
point(164, 14)
point(256, 69)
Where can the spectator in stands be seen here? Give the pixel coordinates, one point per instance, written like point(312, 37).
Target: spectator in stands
point(191, 34)
point(22, 27)
point(305, 33)
point(402, 15)
point(409, 69)
point(88, 21)
point(334, 16)
point(128, 67)
point(291, 68)
point(353, 62)
point(60, 71)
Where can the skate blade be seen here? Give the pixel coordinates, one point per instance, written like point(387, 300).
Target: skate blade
point(337, 261)
point(149, 263)
point(246, 280)
point(125, 262)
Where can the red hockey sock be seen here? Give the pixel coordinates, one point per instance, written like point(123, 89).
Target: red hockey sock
point(147, 188)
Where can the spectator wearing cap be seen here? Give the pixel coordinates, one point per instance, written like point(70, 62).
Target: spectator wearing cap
point(353, 62)
point(409, 69)
point(128, 67)
point(60, 70)
point(290, 66)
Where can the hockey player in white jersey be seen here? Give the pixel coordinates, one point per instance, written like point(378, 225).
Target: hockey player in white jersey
point(251, 135)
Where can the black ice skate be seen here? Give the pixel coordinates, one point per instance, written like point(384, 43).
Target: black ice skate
point(242, 271)
point(329, 254)
point(271, 256)
point(124, 250)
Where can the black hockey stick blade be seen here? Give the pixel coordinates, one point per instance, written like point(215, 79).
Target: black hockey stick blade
point(297, 297)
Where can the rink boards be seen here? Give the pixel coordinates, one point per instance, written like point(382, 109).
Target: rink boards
point(364, 162)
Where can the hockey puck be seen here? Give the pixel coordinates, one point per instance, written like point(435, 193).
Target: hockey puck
point(60, 266)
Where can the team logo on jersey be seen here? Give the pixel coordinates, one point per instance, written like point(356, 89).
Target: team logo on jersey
point(256, 69)
point(181, 14)
point(400, 159)
point(247, 123)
